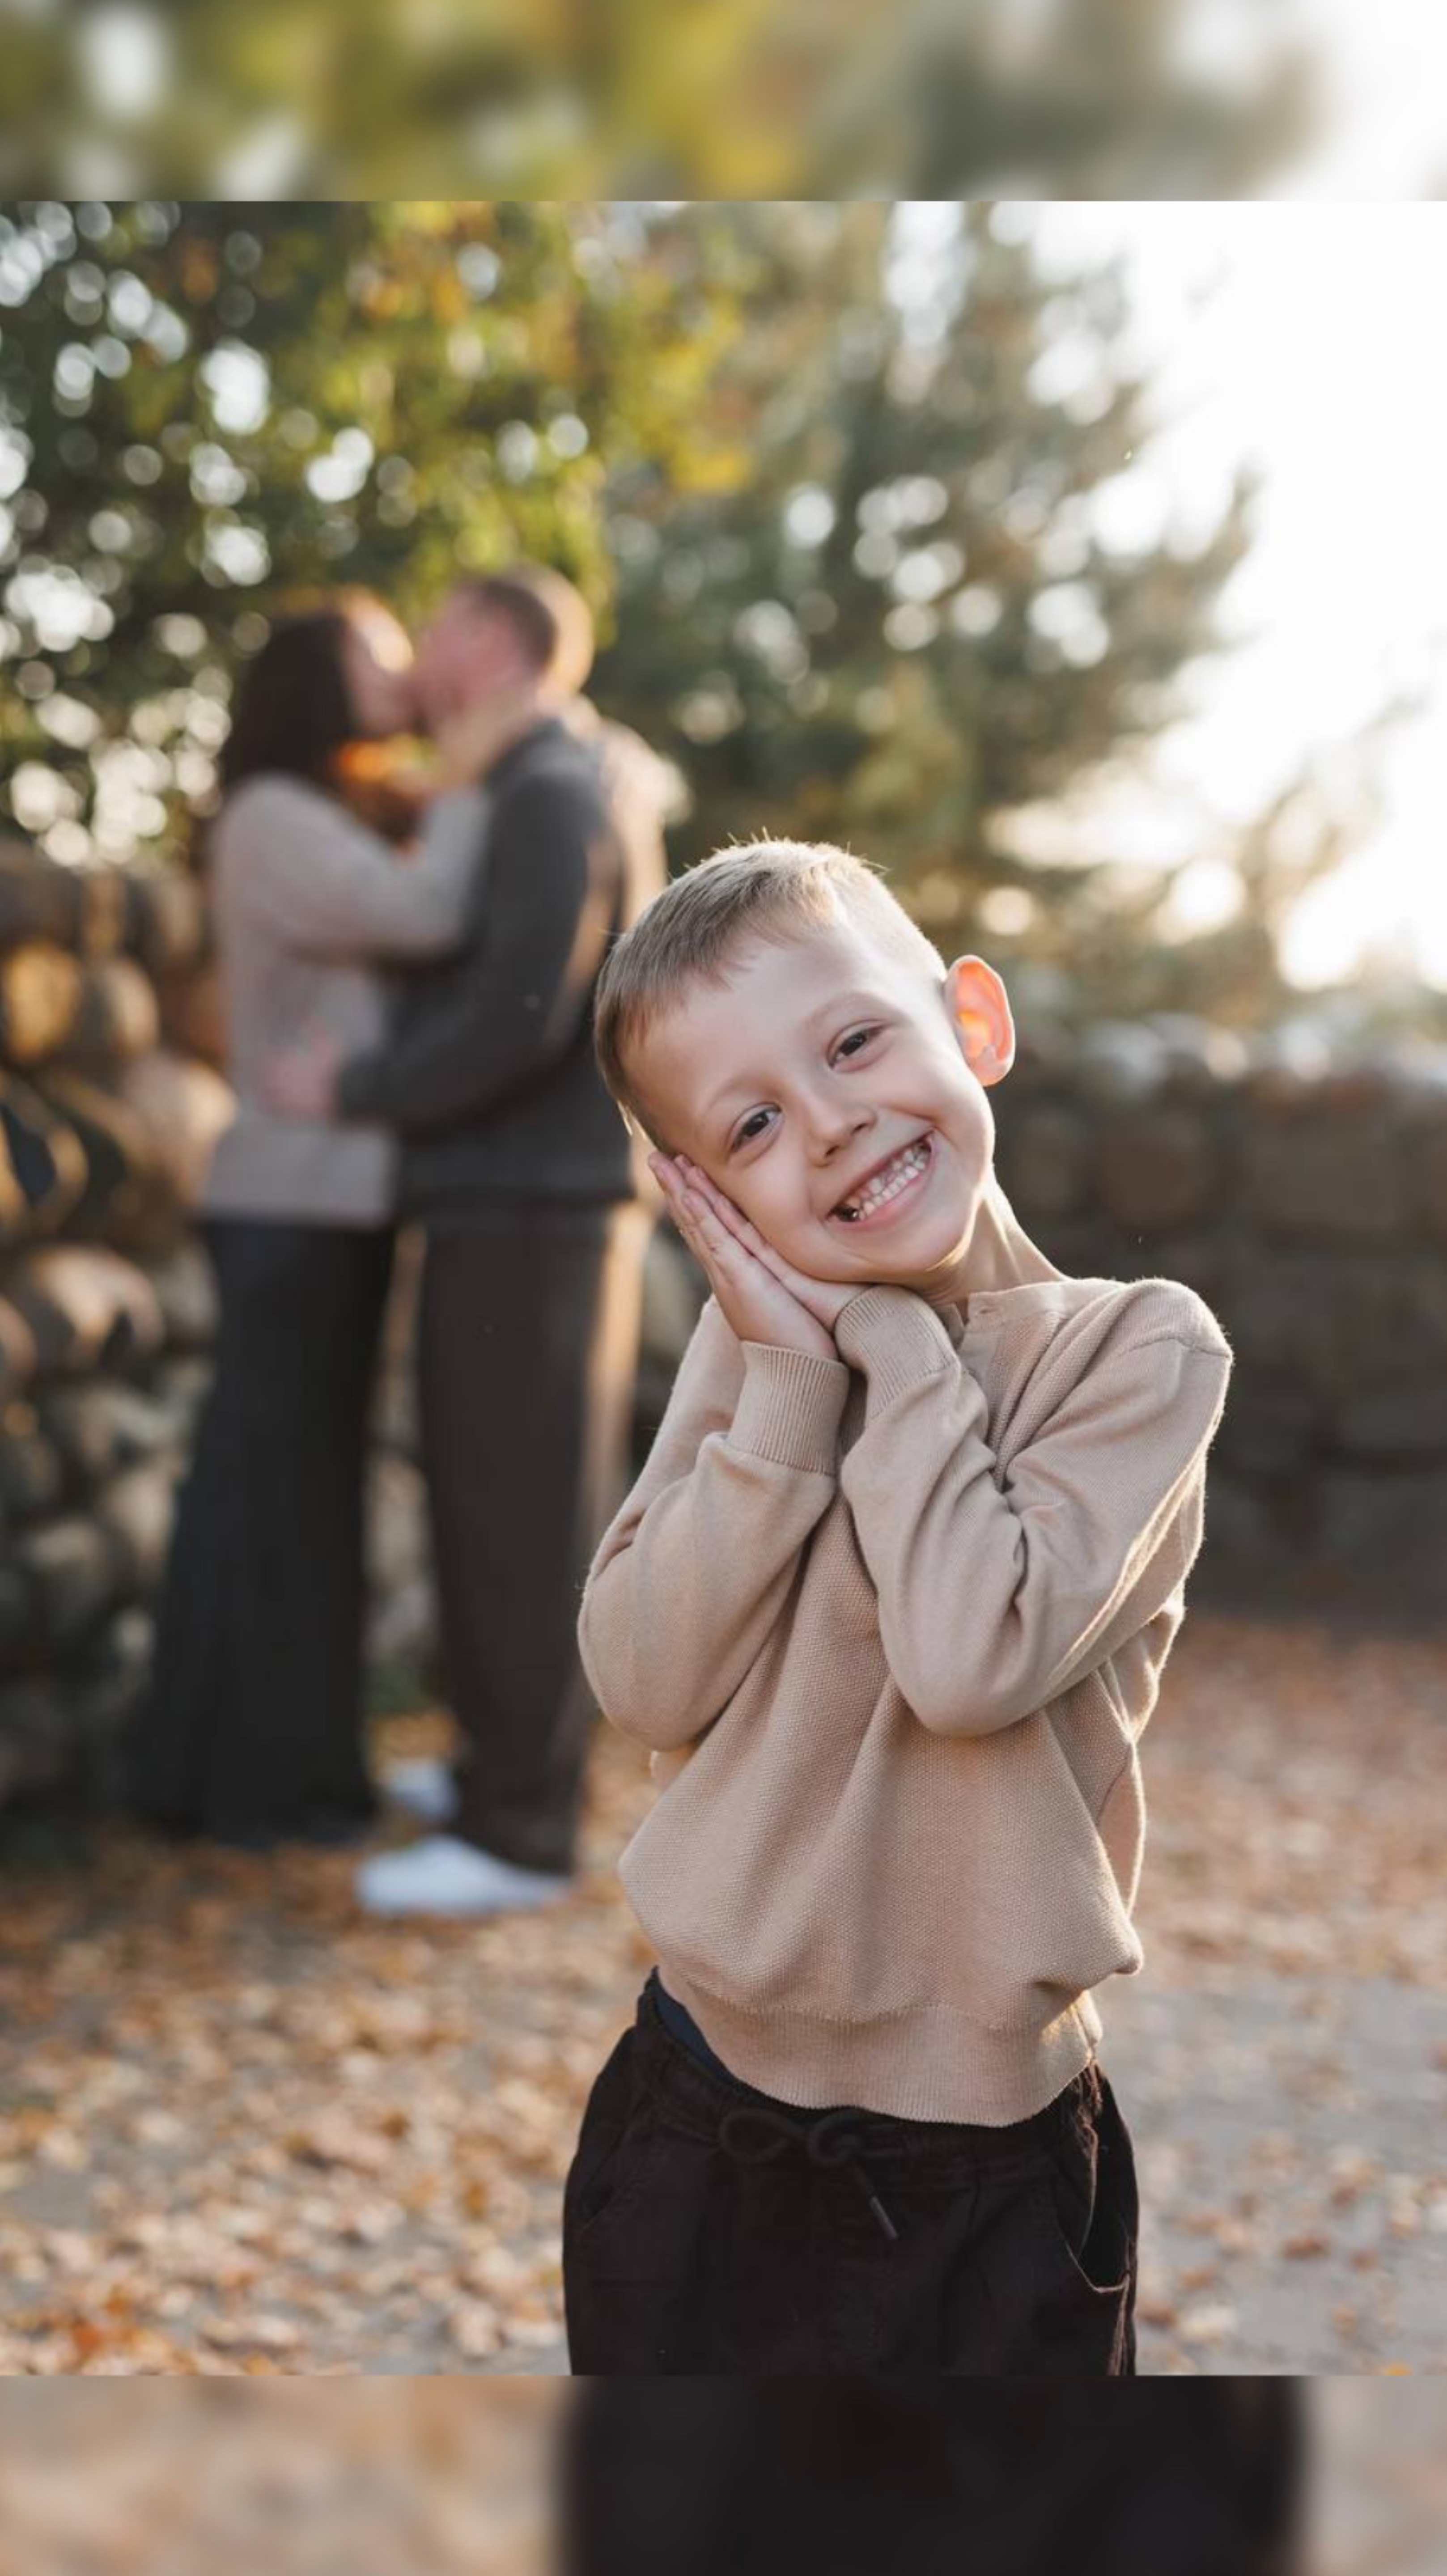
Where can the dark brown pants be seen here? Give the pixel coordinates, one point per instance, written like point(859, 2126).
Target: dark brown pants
point(709, 2229)
point(527, 1356)
point(859, 2476)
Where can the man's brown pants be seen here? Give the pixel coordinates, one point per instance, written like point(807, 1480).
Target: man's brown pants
point(528, 1329)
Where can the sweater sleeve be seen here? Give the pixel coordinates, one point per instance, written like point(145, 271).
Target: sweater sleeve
point(514, 1006)
point(693, 1572)
point(328, 886)
point(1000, 1588)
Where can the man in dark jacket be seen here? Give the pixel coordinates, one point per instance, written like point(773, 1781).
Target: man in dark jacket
point(536, 1215)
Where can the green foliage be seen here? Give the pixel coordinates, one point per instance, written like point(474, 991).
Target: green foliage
point(844, 518)
point(203, 408)
point(902, 628)
point(732, 99)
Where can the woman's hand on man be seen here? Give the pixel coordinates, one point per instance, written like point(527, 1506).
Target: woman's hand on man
point(301, 1081)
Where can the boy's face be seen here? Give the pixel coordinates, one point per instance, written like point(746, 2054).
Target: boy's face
point(817, 1062)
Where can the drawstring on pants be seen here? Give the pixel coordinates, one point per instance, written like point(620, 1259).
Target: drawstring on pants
point(832, 2140)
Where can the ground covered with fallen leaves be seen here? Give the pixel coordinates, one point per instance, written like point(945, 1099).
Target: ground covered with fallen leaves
point(463, 2476)
point(245, 2130)
point(438, 2477)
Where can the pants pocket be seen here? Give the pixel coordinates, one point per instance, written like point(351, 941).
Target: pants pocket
point(1085, 2214)
point(622, 2276)
point(613, 2152)
point(604, 2186)
point(1096, 2255)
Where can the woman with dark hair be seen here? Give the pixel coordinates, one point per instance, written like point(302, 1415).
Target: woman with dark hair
point(252, 1731)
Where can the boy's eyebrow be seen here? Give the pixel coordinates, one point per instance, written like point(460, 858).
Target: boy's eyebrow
point(842, 1002)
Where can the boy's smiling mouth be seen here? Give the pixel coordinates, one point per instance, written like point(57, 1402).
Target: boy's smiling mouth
point(888, 1185)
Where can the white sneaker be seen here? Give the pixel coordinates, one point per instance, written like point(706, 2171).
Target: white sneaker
point(444, 1875)
point(423, 1786)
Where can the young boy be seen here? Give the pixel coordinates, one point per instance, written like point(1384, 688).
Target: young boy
point(889, 1605)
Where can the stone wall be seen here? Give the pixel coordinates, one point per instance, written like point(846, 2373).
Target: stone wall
point(1305, 1199)
point(1307, 1202)
point(106, 1120)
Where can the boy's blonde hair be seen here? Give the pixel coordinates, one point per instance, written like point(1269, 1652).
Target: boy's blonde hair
point(769, 890)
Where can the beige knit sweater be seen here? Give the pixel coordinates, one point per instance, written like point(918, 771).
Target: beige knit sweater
point(892, 1625)
point(309, 906)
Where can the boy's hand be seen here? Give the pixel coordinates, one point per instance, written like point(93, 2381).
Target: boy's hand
point(761, 1295)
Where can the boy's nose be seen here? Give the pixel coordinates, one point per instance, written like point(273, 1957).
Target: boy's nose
point(835, 1127)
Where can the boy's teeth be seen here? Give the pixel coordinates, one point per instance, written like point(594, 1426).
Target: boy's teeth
point(889, 1182)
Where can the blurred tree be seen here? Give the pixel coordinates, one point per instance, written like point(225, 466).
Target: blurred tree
point(203, 407)
point(550, 99)
point(1065, 99)
point(857, 504)
point(910, 621)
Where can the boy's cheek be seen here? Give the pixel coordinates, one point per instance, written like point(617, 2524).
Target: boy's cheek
point(809, 1256)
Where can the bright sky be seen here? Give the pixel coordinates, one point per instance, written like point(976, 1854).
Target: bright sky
point(1304, 333)
point(1386, 68)
point(1309, 339)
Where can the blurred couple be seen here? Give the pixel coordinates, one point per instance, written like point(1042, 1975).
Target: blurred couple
point(407, 954)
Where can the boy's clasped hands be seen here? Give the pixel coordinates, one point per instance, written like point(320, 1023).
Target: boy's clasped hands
point(760, 1294)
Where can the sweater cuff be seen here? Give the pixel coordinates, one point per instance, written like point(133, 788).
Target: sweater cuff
point(895, 1339)
point(789, 1407)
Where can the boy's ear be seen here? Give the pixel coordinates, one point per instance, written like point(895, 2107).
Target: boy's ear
point(981, 1018)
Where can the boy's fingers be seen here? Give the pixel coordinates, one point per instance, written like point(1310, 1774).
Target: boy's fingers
point(716, 1197)
point(733, 1227)
point(722, 1246)
point(747, 1233)
point(704, 1219)
point(741, 1226)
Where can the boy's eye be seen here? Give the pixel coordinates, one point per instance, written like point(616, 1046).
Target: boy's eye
point(750, 1128)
